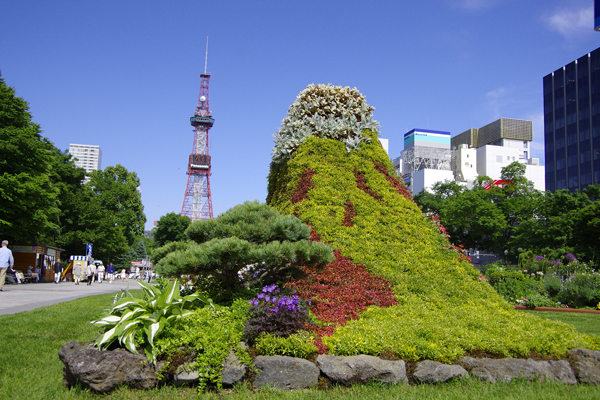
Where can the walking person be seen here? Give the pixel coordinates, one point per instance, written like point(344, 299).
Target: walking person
point(57, 271)
point(124, 275)
point(6, 261)
point(110, 272)
point(90, 271)
point(77, 272)
point(100, 270)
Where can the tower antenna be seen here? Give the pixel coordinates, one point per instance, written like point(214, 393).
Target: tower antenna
point(197, 201)
point(206, 57)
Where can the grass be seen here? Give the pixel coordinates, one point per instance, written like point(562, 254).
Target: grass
point(30, 368)
point(584, 323)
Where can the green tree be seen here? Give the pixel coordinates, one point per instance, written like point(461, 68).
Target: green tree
point(434, 201)
point(116, 191)
point(473, 220)
point(247, 245)
point(140, 250)
point(29, 208)
point(564, 221)
point(170, 228)
point(486, 218)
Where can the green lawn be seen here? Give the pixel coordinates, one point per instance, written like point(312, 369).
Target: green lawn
point(30, 368)
point(584, 323)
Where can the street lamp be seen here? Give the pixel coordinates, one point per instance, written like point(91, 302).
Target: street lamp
point(505, 257)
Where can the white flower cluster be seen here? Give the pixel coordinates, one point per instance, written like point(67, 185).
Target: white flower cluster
point(326, 111)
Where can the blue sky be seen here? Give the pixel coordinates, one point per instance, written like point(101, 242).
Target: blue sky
point(124, 75)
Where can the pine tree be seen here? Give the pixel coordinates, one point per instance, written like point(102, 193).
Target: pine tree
point(248, 245)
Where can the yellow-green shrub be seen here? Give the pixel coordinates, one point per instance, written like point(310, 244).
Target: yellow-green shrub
point(296, 345)
point(443, 310)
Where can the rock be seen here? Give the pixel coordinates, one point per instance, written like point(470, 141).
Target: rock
point(361, 368)
point(103, 371)
point(233, 369)
point(435, 372)
point(186, 376)
point(586, 364)
point(505, 370)
point(285, 372)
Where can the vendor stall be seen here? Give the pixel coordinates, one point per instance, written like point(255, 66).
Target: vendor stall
point(38, 256)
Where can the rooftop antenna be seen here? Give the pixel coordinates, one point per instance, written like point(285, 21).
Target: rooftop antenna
point(206, 57)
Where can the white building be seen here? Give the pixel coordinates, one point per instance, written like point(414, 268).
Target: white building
point(496, 145)
point(86, 156)
point(431, 156)
point(426, 159)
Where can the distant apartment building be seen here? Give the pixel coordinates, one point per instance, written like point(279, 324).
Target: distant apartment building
point(572, 124)
point(86, 156)
point(433, 156)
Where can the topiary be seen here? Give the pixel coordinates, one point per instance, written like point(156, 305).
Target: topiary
point(443, 309)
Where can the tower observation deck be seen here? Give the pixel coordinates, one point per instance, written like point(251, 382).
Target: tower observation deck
point(197, 202)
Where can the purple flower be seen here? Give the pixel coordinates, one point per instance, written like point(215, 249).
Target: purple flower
point(539, 258)
point(267, 298)
point(555, 262)
point(275, 309)
point(570, 257)
point(260, 295)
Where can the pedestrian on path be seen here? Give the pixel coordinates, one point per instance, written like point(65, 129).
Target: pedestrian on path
point(90, 271)
point(6, 261)
point(77, 272)
point(57, 271)
point(100, 270)
point(110, 272)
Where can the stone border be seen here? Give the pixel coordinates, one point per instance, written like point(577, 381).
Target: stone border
point(102, 371)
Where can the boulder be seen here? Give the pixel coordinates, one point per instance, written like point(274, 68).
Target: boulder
point(233, 369)
point(435, 372)
point(285, 372)
point(507, 369)
point(362, 368)
point(103, 371)
point(186, 376)
point(586, 364)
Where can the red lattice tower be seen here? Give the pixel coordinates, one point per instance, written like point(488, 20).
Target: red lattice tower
point(197, 203)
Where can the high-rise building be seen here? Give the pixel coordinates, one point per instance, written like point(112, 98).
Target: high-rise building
point(572, 124)
point(493, 147)
point(86, 156)
point(425, 159)
point(433, 156)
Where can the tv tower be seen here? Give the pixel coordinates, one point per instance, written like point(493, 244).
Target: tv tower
point(197, 202)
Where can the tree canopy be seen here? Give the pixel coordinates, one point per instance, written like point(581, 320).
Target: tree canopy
point(170, 228)
point(515, 215)
point(116, 190)
point(29, 205)
point(247, 245)
point(43, 198)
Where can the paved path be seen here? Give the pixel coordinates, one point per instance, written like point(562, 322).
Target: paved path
point(29, 296)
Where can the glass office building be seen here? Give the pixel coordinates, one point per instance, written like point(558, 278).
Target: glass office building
point(572, 124)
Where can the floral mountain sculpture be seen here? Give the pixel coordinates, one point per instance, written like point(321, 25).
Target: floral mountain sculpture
point(330, 170)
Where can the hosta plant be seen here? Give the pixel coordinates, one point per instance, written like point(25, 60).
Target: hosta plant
point(131, 318)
